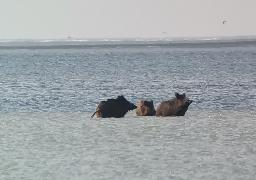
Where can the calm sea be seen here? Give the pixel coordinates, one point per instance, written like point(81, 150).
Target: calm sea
point(50, 88)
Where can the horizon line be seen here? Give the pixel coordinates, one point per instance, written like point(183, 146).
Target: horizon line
point(186, 37)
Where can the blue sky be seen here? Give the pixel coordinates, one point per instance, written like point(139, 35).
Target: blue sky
point(44, 19)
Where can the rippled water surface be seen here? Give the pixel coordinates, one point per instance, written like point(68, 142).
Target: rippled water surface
point(48, 93)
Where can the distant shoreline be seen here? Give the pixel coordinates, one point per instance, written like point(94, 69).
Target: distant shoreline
point(138, 39)
point(127, 44)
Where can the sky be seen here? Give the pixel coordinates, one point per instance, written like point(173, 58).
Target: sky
point(58, 19)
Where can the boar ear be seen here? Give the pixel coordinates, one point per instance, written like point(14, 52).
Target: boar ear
point(121, 98)
point(180, 96)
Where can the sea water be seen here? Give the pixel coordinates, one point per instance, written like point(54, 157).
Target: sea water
point(50, 88)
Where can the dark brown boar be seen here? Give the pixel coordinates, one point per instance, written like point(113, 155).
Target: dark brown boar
point(174, 107)
point(113, 108)
point(145, 108)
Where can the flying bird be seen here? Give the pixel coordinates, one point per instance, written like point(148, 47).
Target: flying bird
point(223, 22)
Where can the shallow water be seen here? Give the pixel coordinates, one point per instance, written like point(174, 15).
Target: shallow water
point(200, 145)
point(48, 94)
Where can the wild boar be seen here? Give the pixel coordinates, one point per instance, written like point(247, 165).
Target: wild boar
point(174, 107)
point(145, 108)
point(113, 108)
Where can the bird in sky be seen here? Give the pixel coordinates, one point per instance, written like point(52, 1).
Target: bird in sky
point(223, 22)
